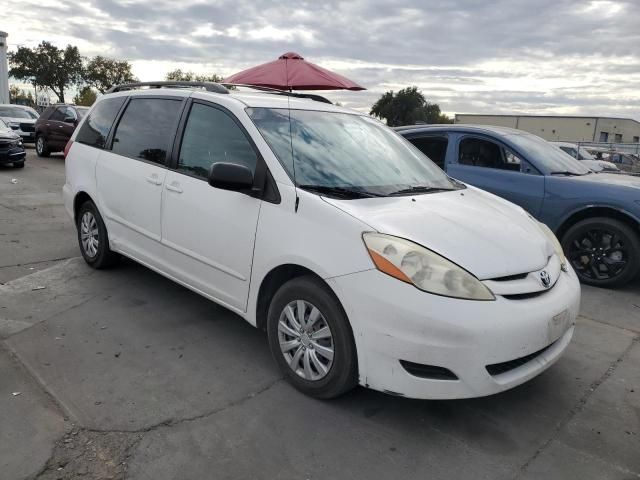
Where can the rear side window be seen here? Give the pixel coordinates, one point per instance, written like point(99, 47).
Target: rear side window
point(95, 129)
point(146, 129)
point(433, 147)
point(212, 136)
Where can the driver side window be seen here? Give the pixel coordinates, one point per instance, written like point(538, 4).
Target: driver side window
point(212, 136)
point(487, 154)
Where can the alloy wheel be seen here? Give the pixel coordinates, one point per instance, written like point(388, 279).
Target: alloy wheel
point(306, 341)
point(40, 145)
point(89, 234)
point(598, 254)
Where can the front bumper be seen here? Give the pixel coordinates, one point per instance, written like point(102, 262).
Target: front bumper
point(394, 321)
point(11, 155)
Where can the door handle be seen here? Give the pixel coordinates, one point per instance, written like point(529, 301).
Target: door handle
point(153, 179)
point(173, 187)
point(60, 126)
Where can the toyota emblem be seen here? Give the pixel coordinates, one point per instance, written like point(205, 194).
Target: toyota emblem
point(545, 279)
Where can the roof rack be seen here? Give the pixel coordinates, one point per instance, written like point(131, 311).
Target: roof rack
point(208, 86)
point(276, 91)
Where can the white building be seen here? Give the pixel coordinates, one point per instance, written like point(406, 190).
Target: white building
point(4, 69)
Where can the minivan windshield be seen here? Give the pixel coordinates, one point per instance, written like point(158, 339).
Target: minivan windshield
point(344, 154)
point(546, 155)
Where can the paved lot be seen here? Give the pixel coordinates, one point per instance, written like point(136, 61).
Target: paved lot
point(123, 373)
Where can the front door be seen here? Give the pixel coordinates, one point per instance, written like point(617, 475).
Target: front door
point(493, 167)
point(130, 176)
point(209, 233)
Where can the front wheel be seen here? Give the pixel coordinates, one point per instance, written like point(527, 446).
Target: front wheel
point(93, 238)
point(19, 164)
point(311, 339)
point(42, 148)
point(604, 252)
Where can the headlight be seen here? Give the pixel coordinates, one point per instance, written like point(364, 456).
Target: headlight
point(426, 270)
point(556, 245)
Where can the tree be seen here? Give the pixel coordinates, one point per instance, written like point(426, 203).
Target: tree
point(20, 97)
point(47, 66)
point(85, 97)
point(102, 73)
point(407, 107)
point(179, 75)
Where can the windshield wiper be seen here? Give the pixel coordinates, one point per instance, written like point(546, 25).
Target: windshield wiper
point(567, 172)
point(340, 192)
point(420, 189)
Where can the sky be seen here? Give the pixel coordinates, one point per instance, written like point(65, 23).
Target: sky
point(545, 57)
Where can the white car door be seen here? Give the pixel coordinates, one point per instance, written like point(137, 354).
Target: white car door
point(209, 233)
point(130, 176)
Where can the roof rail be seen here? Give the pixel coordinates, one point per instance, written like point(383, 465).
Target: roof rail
point(276, 91)
point(208, 86)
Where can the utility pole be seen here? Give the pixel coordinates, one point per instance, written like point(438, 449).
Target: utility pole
point(4, 69)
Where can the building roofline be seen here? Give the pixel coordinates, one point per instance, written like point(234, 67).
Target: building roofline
point(545, 116)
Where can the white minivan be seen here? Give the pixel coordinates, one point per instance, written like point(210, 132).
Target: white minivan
point(364, 262)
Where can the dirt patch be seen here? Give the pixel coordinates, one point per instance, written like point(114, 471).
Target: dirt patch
point(90, 455)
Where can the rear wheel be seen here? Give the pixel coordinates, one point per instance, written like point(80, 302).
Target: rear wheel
point(311, 339)
point(42, 148)
point(93, 239)
point(604, 252)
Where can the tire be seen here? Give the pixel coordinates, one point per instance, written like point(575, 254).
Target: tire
point(604, 252)
point(42, 147)
point(96, 255)
point(342, 371)
point(19, 164)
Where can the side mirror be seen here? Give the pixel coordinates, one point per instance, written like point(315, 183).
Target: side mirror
point(230, 176)
point(69, 120)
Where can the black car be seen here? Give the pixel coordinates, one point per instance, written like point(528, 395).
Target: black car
point(55, 127)
point(11, 148)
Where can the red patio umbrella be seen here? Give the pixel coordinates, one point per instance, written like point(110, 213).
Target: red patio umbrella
point(291, 72)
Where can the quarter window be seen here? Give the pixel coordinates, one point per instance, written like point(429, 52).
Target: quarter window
point(95, 129)
point(212, 136)
point(146, 129)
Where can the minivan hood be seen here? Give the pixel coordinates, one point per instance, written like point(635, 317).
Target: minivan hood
point(482, 233)
point(18, 120)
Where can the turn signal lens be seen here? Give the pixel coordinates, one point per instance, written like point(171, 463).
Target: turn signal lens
point(426, 270)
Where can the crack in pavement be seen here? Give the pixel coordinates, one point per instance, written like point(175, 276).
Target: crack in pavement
point(577, 408)
point(26, 264)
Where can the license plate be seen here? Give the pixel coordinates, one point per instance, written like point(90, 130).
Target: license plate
point(558, 325)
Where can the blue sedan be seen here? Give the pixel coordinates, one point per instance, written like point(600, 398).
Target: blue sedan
point(596, 216)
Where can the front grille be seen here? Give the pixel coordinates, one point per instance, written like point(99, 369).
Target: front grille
point(510, 278)
point(525, 296)
point(27, 127)
point(431, 372)
point(498, 368)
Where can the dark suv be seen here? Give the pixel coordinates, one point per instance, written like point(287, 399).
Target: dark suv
point(55, 127)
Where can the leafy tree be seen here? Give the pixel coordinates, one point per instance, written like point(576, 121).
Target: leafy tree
point(188, 76)
point(47, 66)
point(102, 73)
point(85, 97)
point(20, 97)
point(407, 107)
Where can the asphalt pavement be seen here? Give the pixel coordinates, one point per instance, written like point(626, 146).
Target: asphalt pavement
point(124, 374)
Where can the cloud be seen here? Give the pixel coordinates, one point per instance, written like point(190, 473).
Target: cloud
point(512, 56)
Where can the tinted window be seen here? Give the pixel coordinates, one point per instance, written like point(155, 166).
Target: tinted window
point(146, 129)
point(483, 153)
point(433, 147)
point(58, 115)
point(212, 136)
point(95, 129)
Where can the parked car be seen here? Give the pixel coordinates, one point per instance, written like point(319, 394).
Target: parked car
point(21, 119)
point(595, 216)
point(627, 162)
point(55, 127)
point(11, 147)
point(584, 156)
point(363, 261)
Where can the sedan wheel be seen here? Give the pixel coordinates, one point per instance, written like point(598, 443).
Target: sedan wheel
point(603, 252)
point(305, 340)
